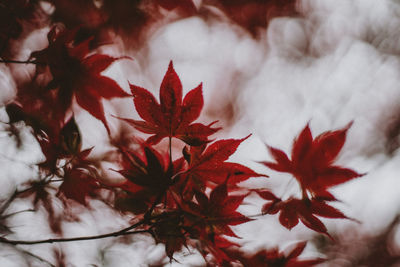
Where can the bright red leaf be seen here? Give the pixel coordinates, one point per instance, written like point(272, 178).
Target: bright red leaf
point(312, 161)
point(305, 210)
point(173, 117)
point(207, 164)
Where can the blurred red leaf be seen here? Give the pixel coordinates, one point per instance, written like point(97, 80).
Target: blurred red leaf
point(255, 14)
point(185, 5)
point(274, 258)
point(76, 74)
point(78, 185)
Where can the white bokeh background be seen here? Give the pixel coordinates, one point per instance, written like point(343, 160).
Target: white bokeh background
point(338, 61)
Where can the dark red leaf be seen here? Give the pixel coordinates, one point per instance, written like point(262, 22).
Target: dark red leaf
point(208, 164)
point(221, 150)
point(192, 104)
point(267, 208)
point(267, 195)
point(98, 63)
point(140, 125)
point(274, 166)
point(233, 202)
point(78, 185)
point(219, 194)
point(74, 72)
point(172, 117)
point(304, 263)
point(297, 250)
point(105, 87)
point(171, 95)
point(283, 162)
point(312, 162)
point(93, 106)
point(146, 106)
point(255, 14)
point(302, 146)
point(195, 134)
point(313, 223)
point(324, 210)
point(327, 146)
point(336, 175)
point(201, 198)
point(186, 5)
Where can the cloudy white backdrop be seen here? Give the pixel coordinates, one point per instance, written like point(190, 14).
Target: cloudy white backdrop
point(339, 61)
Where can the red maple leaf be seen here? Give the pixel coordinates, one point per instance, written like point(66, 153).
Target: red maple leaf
point(214, 215)
point(208, 164)
point(255, 14)
point(187, 6)
point(61, 143)
point(305, 210)
point(149, 176)
point(78, 185)
point(274, 258)
point(312, 161)
point(169, 229)
point(75, 73)
point(173, 117)
point(211, 218)
point(38, 108)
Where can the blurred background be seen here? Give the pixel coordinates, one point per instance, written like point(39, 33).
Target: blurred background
point(268, 68)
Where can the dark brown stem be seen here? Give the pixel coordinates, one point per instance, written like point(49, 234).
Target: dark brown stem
point(123, 232)
point(60, 240)
point(19, 61)
point(170, 150)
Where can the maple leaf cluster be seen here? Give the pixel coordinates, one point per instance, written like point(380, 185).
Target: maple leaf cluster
point(176, 189)
point(134, 17)
point(187, 198)
point(312, 165)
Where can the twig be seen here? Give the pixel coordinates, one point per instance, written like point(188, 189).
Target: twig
point(61, 240)
point(37, 257)
point(20, 62)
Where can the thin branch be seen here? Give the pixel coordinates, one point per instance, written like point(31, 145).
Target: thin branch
point(37, 257)
point(170, 150)
point(123, 232)
point(20, 62)
point(61, 240)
